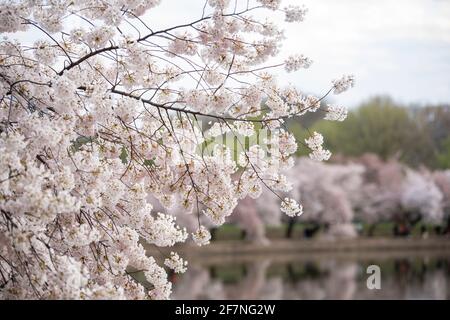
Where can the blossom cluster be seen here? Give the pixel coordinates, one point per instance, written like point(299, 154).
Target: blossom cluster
point(315, 142)
point(202, 236)
point(176, 263)
point(291, 207)
point(336, 113)
point(294, 63)
point(343, 84)
point(295, 13)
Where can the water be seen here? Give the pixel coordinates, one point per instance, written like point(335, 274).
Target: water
point(404, 275)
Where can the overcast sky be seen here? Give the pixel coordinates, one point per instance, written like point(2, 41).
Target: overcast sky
point(395, 47)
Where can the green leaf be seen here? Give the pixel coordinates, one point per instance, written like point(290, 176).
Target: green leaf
point(124, 155)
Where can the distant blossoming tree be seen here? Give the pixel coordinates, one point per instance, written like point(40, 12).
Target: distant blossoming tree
point(380, 196)
point(442, 180)
point(105, 108)
point(326, 192)
point(393, 192)
point(422, 198)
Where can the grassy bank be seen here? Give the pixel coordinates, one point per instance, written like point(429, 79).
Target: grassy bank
point(233, 232)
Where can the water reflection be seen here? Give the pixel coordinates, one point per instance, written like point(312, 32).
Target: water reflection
point(323, 277)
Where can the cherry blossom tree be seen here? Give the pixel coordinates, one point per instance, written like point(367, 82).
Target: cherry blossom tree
point(380, 196)
point(422, 198)
point(105, 108)
point(442, 181)
point(326, 191)
point(247, 217)
point(393, 192)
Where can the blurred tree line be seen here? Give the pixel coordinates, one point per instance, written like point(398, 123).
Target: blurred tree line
point(415, 135)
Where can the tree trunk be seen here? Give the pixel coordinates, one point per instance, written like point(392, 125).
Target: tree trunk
point(371, 230)
point(290, 228)
point(310, 232)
